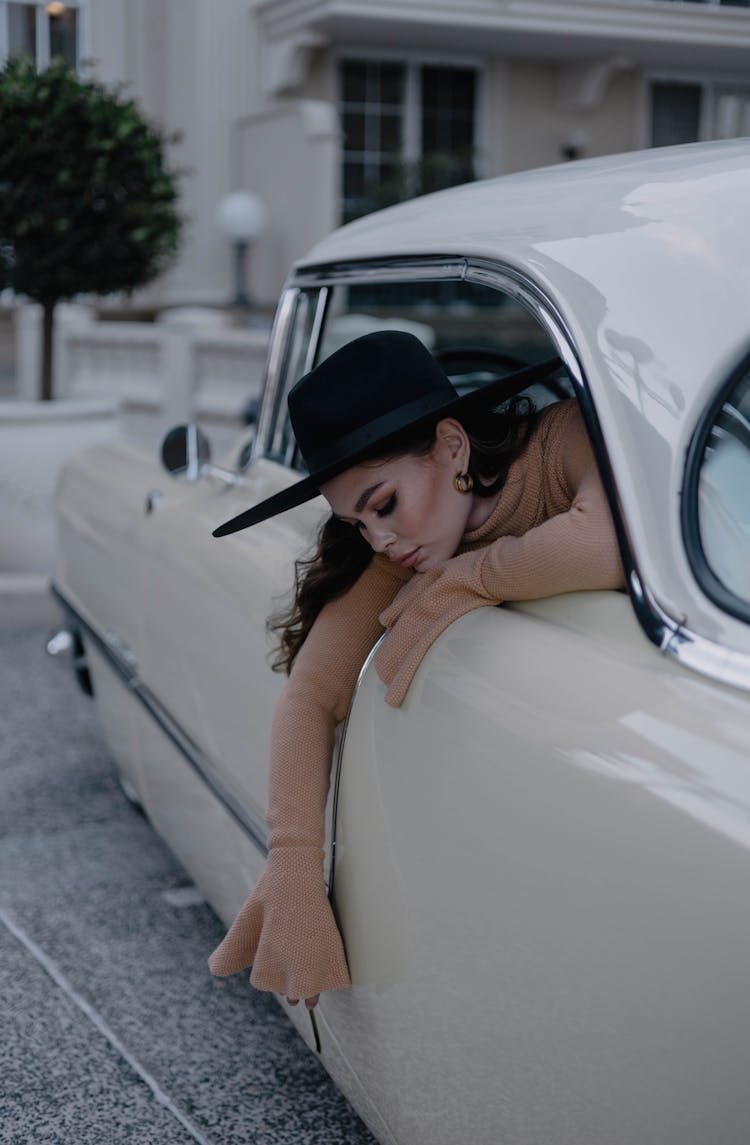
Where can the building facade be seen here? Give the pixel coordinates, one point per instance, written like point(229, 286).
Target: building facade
point(329, 108)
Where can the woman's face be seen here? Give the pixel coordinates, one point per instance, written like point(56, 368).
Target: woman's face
point(408, 507)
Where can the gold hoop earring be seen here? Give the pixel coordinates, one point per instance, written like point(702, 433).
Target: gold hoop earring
point(463, 483)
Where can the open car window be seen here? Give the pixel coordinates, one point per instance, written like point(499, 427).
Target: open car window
point(476, 332)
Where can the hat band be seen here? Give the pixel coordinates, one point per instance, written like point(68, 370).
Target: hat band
point(376, 430)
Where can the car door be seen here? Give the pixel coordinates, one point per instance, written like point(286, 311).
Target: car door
point(541, 878)
point(203, 651)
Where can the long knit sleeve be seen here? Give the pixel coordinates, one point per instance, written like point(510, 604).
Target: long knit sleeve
point(285, 930)
point(574, 548)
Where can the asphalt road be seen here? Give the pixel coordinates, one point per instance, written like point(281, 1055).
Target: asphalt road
point(111, 1028)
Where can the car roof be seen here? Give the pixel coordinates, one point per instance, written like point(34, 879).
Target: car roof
point(646, 258)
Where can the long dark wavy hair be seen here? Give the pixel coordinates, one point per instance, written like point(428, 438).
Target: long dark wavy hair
point(341, 554)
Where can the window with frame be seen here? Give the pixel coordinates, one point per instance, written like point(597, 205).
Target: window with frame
point(42, 31)
point(686, 112)
point(408, 128)
point(476, 332)
point(716, 501)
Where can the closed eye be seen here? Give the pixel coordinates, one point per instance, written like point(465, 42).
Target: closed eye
point(386, 509)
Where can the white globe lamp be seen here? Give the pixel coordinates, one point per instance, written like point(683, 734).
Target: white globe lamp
point(242, 217)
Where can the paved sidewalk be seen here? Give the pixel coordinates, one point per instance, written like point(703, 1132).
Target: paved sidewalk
point(25, 601)
point(112, 1029)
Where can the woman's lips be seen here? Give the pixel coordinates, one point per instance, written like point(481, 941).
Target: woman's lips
point(409, 558)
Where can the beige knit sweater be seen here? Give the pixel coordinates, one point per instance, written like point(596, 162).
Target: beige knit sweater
point(550, 532)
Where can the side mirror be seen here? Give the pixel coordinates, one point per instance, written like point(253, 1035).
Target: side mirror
point(185, 451)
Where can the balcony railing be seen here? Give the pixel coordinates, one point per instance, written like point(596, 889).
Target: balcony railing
point(160, 373)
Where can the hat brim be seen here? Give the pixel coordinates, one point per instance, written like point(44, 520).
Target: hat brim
point(309, 487)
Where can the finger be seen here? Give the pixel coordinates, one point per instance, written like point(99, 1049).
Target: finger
point(311, 1003)
point(292, 1001)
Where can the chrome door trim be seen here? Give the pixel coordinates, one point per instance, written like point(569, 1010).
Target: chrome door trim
point(123, 663)
point(320, 312)
point(336, 776)
point(727, 665)
point(433, 267)
point(282, 323)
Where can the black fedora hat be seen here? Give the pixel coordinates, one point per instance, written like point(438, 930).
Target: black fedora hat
point(374, 394)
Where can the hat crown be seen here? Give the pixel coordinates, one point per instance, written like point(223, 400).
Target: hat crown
point(370, 397)
point(367, 390)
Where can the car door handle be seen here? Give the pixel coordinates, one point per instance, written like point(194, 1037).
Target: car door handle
point(153, 497)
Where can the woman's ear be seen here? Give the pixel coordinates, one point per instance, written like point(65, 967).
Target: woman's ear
point(452, 443)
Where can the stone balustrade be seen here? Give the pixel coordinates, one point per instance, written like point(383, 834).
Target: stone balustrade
point(192, 365)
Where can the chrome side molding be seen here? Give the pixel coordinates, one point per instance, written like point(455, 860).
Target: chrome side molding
point(125, 665)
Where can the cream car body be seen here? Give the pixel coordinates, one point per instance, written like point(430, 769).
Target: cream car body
point(541, 860)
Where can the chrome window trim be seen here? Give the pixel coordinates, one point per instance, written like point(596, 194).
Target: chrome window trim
point(295, 357)
point(727, 665)
point(124, 664)
point(713, 587)
point(431, 267)
point(338, 760)
point(285, 339)
point(320, 313)
point(279, 342)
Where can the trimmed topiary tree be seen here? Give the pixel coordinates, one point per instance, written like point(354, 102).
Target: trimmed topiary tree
point(87, 201)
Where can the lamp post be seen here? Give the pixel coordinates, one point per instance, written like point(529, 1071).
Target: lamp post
point(242, 216)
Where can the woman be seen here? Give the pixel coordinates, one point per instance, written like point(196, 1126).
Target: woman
point(439, 506)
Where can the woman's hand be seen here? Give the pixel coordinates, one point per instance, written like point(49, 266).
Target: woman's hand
point(286, 930)
point(311, 1003)
point(421, 611)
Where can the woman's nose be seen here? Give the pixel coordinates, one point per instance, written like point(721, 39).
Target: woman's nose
point(380, 539)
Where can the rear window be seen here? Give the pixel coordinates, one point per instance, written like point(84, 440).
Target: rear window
point(716, 501)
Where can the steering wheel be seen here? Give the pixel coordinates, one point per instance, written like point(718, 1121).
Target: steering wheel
point(465, 362)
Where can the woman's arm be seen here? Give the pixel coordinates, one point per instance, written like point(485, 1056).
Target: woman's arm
point(576, 547)
point(285, 929)
point(573, 550)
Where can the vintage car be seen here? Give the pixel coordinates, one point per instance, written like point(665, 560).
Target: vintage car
point(541, 862)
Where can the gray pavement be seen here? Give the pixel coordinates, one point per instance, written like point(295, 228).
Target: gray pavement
point(111, 1028)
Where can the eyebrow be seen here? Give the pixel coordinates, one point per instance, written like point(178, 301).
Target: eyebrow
point(365, 497)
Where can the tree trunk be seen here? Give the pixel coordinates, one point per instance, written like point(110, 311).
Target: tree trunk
point(48, 317)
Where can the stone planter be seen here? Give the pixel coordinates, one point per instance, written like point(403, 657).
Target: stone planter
point(36, 438)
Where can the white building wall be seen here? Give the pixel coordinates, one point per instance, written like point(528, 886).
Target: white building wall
point(206, 94)
point(189, 64)
point(291, 158)
point(107, 33)
point(531, 118)
point(203, 67)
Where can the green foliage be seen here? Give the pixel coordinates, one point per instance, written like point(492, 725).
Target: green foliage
point(406, 179)
point(87, 203)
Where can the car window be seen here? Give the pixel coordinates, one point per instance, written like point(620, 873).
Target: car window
point(477, 333)
point(719, 494)
point(298, 359)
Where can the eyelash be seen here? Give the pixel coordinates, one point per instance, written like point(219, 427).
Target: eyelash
point(383, 511)
point(387, 509)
